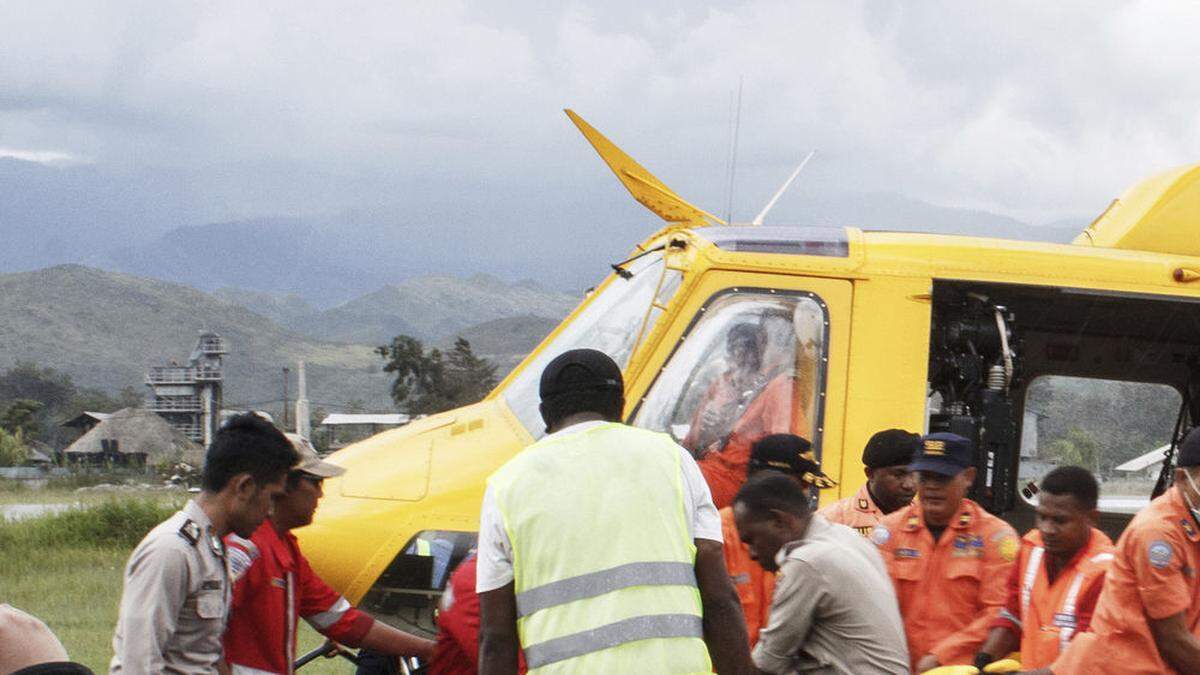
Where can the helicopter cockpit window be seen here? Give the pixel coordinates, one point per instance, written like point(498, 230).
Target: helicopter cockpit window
point(752, 365)
point(611, 323)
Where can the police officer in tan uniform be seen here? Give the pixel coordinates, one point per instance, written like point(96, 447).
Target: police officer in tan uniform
point(177, 587)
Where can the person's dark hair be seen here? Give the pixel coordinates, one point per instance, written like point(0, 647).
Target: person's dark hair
point(1075, 481)
point(247, 444)
point(769, 491)
point(608, 402)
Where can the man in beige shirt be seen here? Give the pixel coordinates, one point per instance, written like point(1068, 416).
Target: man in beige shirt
point(834, 609)
point(176, 596)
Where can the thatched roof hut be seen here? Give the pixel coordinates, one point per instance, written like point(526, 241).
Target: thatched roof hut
point(135, 436)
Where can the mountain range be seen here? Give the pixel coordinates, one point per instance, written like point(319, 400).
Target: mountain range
point(106, 328)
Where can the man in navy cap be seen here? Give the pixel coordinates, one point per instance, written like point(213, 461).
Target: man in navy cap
point(948, 558)
point(621, 568)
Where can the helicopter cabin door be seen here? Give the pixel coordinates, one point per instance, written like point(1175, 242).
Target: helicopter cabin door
point(761, 354)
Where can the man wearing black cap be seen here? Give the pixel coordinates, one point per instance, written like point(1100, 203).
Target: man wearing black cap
point(1148, 617)
point(792, 456)
point(599, 545)
point(890, 483)
point(948, 558)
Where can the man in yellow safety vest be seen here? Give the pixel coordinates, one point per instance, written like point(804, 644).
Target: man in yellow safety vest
point(599, 545)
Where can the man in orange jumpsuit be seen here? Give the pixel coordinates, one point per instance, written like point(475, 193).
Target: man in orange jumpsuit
point(1148, 617)
point(1054, 586)
point(890, 484)
point(776, 410)
point(787, 454)
point(727, 398)
point(948, 558)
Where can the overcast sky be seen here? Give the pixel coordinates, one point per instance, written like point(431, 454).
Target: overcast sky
point(1036, 110)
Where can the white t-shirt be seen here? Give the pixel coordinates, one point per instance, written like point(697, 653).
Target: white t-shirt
point(494, 568)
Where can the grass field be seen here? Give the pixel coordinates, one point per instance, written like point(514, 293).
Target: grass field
point(66, 569)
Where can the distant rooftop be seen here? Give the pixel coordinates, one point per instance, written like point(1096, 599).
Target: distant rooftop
point(1145, 461)
point(380, 419)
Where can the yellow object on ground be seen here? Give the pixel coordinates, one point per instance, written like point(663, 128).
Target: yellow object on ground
point(1003, 666)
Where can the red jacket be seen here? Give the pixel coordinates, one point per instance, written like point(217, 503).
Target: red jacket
point(457, 649)
point(274, 587)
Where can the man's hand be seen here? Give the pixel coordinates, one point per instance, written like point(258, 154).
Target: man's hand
point(26, 641)
point(927, 662)
point(1176, 644)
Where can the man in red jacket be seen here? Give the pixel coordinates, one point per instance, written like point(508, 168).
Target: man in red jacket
point(275, 586)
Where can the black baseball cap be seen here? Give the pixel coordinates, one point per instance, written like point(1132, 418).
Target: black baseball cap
point(1189, 449)
point(790, 454)
point(891, 447)
point(943, 453)
point(580, 370)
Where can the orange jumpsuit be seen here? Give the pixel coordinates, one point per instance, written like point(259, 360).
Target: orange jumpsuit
point(858, 512)
point(1153, 575)
point(754, 585)
point(771, 412)
point(1048, 615)
point(949, 591)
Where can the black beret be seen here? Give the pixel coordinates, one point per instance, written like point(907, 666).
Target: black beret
point(891, 447)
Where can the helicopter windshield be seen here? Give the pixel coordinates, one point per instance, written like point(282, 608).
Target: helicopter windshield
point(610, 322)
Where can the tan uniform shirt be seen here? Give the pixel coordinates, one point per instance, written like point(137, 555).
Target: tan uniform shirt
point(834, 610)
point(176, 599)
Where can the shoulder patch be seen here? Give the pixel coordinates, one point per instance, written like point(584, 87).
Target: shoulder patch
point(880, 535)
point(1008, 548)
point(239, 562)
point(863, 505)
point(1159, 554)
point(190, 531)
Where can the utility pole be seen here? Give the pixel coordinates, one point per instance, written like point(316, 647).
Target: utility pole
point(286, 371)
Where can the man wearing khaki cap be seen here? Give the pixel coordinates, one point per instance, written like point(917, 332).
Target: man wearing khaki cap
point(274, 586)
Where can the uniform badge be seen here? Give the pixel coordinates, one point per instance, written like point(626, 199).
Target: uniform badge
point(210, 585)
point(862, 505)
point(964, 519)
point(217, 546)
point(1159, 553)
point(911, 553)
point(912, 522)
point(190, 531)
point(1008, 548)
point(739, 579)
point(1188, 528)
point(880, 535)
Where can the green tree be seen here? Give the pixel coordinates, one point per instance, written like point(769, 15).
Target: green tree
point(21, 417)
point(12, 449)
point(1076, 448)
point(430, 381)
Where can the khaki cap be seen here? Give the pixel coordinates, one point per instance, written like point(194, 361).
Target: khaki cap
point(310, 462)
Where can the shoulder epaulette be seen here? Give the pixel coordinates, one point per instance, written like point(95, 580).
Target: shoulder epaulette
point(191, 531)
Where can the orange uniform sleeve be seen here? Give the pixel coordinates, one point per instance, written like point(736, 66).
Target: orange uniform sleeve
point(1000, 554)
point(1156, 555)
point(1009, 616)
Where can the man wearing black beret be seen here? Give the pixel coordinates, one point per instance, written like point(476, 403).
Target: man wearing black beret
point(890, 484)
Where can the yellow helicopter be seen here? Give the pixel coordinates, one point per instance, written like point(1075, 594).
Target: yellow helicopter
point(869, 330)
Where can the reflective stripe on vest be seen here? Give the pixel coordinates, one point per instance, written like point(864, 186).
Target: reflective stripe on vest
point(1031, 572)
point(603, 558)
point(605, 581)
point(612, 635)
point(1066, 620)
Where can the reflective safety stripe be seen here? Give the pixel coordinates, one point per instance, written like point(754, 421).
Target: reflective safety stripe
point(1068, 612)
point(323, 620)
point(1031, 570)
point(613, 635)
point(605, 581)
point(237, 669)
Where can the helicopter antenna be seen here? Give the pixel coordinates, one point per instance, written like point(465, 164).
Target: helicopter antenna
point(736, 113)
point(758, 220)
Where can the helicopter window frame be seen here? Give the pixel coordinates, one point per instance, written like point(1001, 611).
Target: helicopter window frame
point(817, 425)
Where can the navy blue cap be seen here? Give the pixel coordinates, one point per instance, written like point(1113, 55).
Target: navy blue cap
point(1189, 449)
point(947, 454)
